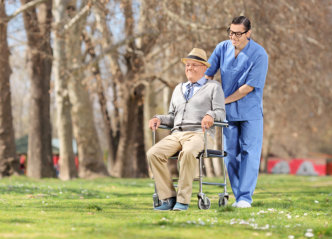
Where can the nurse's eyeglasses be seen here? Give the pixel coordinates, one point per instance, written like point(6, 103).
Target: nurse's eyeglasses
point(237, 34)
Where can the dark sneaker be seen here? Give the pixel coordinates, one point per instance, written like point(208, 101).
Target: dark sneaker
point(167, 204)
point(180, 207)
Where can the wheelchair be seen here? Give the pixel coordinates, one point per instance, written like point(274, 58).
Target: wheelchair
point(204, 202)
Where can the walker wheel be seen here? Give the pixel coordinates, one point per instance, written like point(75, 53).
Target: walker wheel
point(223, 201)
point(203, 206)
point(156, 202)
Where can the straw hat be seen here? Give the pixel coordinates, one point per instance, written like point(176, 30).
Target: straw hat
point(198, 55)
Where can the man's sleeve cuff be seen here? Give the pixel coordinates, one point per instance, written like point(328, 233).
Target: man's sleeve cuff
point(212, 114)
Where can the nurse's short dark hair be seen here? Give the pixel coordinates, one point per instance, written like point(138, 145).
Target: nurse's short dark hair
point(242, 20)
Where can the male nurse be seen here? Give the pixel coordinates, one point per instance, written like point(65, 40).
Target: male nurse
point(243, 67)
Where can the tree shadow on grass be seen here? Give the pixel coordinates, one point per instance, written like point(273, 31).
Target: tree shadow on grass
point(68, 193)
point(16, 220)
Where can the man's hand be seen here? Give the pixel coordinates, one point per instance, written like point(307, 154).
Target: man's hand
point(207, 122)
point(154, 123)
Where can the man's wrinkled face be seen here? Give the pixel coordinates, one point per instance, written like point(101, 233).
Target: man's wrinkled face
point(194, 70)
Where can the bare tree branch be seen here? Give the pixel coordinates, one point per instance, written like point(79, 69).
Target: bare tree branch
point(78, 16)
point(162, 48)
point(115, 47)
point(185, 23)
point(158, 76)
point(25, 7)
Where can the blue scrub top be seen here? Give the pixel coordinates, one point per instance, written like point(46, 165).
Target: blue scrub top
point(249, 67)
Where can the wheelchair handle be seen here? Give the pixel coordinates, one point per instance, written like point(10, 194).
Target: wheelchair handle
point(216, 123)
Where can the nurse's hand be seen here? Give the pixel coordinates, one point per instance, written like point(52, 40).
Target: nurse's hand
point(209, 77)
point(154, 123)
point(207, 122)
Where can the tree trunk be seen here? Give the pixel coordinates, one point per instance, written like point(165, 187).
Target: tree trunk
point(267, 142)
point(149, 111)
point(64, 124)
point(112, 124)
point(40, 162)
point(217, 162)
point(9, 163)
point(127, 135)
point(208, 167)
point(103, 104)
point(90, 157)
point(131, 160)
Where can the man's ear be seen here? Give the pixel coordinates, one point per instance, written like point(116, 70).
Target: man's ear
point(248, 34)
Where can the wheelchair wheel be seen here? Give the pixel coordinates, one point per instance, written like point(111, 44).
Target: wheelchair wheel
point(203, 206)
point(223, 201)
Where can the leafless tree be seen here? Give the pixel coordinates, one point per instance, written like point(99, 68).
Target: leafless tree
point(38, 28)
point(63, 111)
point(9, 163)
point(91, 162)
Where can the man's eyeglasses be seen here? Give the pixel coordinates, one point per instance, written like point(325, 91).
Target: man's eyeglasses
point(193, 65)
point(237, 34)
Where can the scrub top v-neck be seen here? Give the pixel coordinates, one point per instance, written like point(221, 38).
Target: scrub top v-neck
point(249, 67)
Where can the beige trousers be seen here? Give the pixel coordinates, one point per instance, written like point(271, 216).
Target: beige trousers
point(190, 144)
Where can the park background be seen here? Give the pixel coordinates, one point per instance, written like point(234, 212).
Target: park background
point(96, 71)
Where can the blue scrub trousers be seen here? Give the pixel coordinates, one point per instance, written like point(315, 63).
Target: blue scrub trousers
point(243, 144)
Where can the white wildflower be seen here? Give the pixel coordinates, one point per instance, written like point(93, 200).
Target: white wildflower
point(290, 237)
point(261, 212)
point(202, 223)
point(308, 234)
point(267, 226)
point(255, 225)
point(243, 222)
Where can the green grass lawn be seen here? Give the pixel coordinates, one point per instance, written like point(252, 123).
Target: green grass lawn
point(284, 207)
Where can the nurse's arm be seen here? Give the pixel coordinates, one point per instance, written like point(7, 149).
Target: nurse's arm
point(209, 77)
point(239, 93)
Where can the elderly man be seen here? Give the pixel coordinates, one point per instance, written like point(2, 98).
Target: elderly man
point(194, 107)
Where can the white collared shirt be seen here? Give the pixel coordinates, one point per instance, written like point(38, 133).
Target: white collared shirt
point(197, 86)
